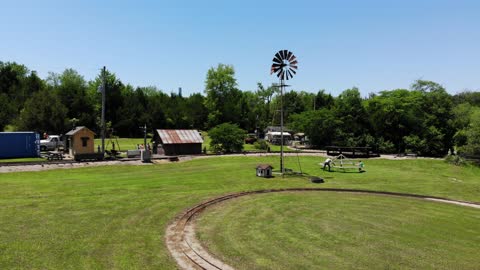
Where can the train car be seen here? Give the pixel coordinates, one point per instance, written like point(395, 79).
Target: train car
point(19, 144)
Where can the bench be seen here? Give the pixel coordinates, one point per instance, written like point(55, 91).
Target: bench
point(55, 155)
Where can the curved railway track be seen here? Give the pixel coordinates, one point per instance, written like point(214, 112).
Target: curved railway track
point(189, 253)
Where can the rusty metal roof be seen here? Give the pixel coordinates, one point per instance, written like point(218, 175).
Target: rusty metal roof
point(179, 136)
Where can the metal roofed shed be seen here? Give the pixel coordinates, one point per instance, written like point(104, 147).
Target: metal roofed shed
point(177, 142)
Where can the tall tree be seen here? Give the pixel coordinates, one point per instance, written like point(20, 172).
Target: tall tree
point(71, 88)
point(350, 111)
point(43, 111)
point(438, 121)
point(17, 84)
point(222, 95)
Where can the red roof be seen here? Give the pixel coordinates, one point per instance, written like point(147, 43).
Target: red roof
point(179, 136)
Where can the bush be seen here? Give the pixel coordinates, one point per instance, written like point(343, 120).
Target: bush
point(455, 160)
point(227, 138)
point(261, 145)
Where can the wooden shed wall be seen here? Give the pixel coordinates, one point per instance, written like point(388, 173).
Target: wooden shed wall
point(183, 149)
point(76, 142)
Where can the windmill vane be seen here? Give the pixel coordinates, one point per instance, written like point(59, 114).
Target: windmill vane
point(284, 65)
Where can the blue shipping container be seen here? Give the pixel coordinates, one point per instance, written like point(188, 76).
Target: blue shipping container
point(19, 144)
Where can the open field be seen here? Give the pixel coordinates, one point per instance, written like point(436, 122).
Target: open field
point(115, 216)
point(325, 230)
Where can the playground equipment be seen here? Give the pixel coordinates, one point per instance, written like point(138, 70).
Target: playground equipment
point(113, 153)
point(343, 163)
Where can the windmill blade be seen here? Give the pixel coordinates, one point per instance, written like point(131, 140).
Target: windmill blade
point(278, 56)
point(277, 60)
point(277, 66)
point(289, 55)
point(272, 70)
point(290, 74)
point(284, 65)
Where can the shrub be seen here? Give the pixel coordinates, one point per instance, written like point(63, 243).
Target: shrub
point(261, 145)
point(455, 160)
point(227, 138)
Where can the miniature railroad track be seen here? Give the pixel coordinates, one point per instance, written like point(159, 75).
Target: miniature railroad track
point(189, 253)
point(60, 162)
point(33, 163)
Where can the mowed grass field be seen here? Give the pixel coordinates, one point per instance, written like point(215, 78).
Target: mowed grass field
point(116, 216)
point(324, 230)
point(125, 143)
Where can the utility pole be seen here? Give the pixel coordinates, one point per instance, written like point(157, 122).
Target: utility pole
point(103, 108)
point(145, 136)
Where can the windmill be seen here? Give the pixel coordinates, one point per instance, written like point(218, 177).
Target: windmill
point(285, 66)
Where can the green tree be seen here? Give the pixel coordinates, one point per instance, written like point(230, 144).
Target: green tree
point(71, 87)
point(349, 109)
point(265, 95)
point(438, 122)
point(44, 111)
point(223, 97)
point(227, 138)
point(196, 110)
point(17, 84)
point(323, 100)
point(320, 126)
point(394, 115)
point(114, 99)
point(472, 134)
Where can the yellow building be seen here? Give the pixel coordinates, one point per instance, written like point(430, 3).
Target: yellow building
point(81, 141)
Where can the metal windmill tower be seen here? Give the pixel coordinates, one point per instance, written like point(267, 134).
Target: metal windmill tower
point(285, 66)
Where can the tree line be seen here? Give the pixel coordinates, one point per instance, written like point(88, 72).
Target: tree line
point(424, 119)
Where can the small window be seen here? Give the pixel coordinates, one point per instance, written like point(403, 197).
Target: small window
point(84, 141)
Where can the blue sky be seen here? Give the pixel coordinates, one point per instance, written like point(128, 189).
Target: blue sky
point(373, 45)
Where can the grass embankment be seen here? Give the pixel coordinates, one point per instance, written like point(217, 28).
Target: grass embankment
point(115, 216)
point(319, 230)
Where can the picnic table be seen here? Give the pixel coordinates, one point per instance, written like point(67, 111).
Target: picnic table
point(54, 155)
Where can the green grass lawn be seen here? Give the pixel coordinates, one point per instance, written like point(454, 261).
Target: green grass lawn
point(116, 216)
point(21, 160)
point(320, 230)
point(125, 143)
